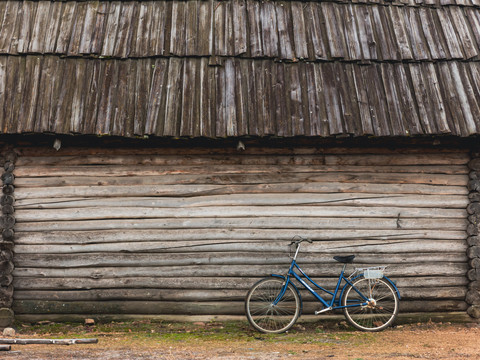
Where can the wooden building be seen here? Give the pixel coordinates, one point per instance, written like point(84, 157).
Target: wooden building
point(160, 155)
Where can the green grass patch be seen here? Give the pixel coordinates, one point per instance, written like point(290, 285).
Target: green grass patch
point(174, 332)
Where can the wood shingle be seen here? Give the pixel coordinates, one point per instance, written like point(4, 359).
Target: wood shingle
point(201, 68)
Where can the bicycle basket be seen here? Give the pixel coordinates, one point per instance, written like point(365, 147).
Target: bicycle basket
point(374, 272)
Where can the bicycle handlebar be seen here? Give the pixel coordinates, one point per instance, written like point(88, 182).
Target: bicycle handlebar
point(297, 239)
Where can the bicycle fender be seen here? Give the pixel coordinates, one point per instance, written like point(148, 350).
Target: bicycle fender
point(294, 286)
point(384, 277)
point(394, 286)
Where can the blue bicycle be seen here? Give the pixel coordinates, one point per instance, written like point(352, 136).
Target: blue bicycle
point(369, 299)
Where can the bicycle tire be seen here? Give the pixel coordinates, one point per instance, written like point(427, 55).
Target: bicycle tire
point(267, 318)
point(382, 309)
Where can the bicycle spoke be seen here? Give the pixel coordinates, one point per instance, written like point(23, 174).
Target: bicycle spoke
point(381, 309)
point(266, 316)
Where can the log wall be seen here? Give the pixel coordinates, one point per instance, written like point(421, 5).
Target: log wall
point(188, 231)
point(473, 230)
point(7, 223)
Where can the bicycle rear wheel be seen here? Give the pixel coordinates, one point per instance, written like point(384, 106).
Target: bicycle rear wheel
point(381, 309)
point(269, 318)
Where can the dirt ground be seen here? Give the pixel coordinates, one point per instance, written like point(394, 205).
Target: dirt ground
point(236, 340)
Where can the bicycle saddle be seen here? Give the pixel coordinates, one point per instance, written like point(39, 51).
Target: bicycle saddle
point(345, 259)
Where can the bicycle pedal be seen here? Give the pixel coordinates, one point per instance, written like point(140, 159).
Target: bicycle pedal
point(323, 310)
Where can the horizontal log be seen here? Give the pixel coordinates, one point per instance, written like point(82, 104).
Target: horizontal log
point(103, 175)
point(394, 270)
point(438, 293)
point(204, 190)
point(145, 176)
point(192, 308)
point(360, 246)
point(357, 200)
point(105, 212)
point(244, 283)
point(281, 236)
point(36, 151)
point(239, 258)
point(48, 341)
point(255, 159)
point(305, 225)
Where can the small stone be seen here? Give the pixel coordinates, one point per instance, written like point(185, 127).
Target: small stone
point(89, 322)
point(10, 332)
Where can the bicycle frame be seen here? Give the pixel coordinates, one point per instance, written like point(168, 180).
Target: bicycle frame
point(328, 306)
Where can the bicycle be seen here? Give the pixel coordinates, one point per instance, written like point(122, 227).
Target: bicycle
point(369, 300)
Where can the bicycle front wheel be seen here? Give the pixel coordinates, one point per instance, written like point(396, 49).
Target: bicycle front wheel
point(379, 312)
point(266, 317)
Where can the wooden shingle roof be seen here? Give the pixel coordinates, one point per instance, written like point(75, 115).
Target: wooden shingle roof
point(201, 68)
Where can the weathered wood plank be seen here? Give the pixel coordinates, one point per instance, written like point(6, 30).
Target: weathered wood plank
point(203, 190)
point(77, 30)
point(8, 26)
point(401, 244)
point(229, 211)
point(463, 97)
point(457, 293)
point(174, 97)
point(122, 42)
point(3, 77)
point(242, 223)
point(156, 105)
point(366, 32)
point(30, 97)
point(206, 308)
point(238, 258)
point(188, 175)
point(85, 45)
point(269, 29)
point(285, 36)
point(66, 26)
point(396, 15)
point(467, 42)
point(37, 41)
point(299, 30)
point(455, 154)
point(353, 159)
point(430, 32)
point(177, 35)
point(218, 283)
point(356, 200)
point(93, 78)
point(450, 34)
point(418, 47)
point(435, 269)
point(427, 116)
point(111, 28)
point(79, 97)
point(334, 30)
